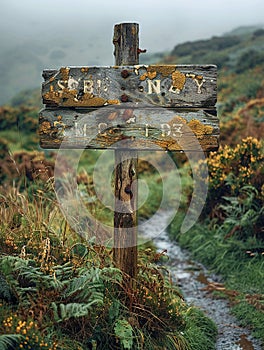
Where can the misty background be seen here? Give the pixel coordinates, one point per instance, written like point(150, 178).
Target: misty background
point(37, 34)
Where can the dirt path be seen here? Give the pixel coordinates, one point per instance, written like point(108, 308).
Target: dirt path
point(191, 277)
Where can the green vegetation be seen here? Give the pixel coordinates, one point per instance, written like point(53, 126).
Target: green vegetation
point(235, 51)
point(58, 291)
point(240, 263)
point(228, 239)
point(229, 236)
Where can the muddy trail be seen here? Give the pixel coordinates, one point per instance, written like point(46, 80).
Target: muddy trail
point(195, 281)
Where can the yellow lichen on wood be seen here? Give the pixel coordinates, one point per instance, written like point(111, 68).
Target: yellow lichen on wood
point(68, 98)
point(168, 145)
point(208, 129)
point(133, 30)
point(199, 129)
point(151, 72)
point(152, 75)
point(58, 96)
point(89, 102)
point(45, 128)
point(178, 80)
point(177, 120)
point(51, 97)
point(154, 70)
point(65, 73)
point(143, 77)
point(164, 70)
point(113, 102)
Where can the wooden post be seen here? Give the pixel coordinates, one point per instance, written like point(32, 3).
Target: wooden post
point(75, 97)
point(125, 217)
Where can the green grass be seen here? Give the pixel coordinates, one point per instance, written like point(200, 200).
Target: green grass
point(247, 315)
point(228, 258)
point(43, 248)
point(201, 332)
point(18, 141)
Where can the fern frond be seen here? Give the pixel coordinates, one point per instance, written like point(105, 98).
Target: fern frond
point(83, 287)
point(124, 332)
point(6, 292)
point(64, 312)
point(8, 341)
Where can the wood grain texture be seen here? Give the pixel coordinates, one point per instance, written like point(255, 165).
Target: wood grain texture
point(125, 251)
point(144, 128)
point(126, 42)
point(159, 85)
point(125, 216)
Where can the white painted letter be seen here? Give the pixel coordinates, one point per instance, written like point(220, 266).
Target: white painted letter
point(72, 83)
point(88, 86)
point(177, 132)
point(147, 130)
point(101, 128)
point(174, 90)
point(154, 86)
point(60, 84)
point(76, 128)
point(166, 129)
point(84, 130)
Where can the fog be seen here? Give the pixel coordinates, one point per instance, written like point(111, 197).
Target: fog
point(162, 23)
point(51, 33)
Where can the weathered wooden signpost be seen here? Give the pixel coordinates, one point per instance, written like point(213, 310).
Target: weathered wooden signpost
point(129, 107)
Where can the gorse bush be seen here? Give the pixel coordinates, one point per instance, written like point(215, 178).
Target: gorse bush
point(21, 334)
point(230, 170)
point(244, 162)
point(229, 236)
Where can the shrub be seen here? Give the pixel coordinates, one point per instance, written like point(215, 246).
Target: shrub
point(248, 60)
point(230, 171)
point(213, 44)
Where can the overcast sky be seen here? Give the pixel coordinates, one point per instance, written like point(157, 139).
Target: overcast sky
point(163, 23)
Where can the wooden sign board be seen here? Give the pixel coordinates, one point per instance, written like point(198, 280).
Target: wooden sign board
point(133, 107)
point(129, 128)
point(164, 86)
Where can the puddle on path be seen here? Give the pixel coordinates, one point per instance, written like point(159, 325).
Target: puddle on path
point(191, 278)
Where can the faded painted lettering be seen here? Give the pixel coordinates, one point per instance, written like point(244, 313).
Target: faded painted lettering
point(175, 130)
point(153, 86)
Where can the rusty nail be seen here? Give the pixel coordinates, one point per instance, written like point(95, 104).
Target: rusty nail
point(124, 73)
point(124, 98)
point(139, 51)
